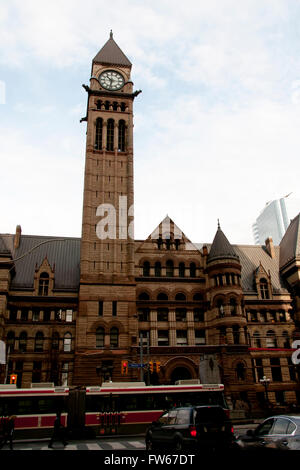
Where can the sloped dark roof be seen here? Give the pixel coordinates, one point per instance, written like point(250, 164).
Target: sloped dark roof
point(3, 247)
point(290, 243)
point(63, 254)
point(221, 248)
point(111, 54)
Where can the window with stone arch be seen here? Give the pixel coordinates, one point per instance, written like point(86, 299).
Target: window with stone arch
point(10, 340)
point(44, 284)
point(240, 371)
point(146, 268)
point(23, 341)
point(114, 337)
point(121, 137)
point(157, 269)
point(39, 342)
point(110, 135)
point(192, 270)
point(233, 306)
point(100, 335)
point(169, 268)
point(98, 134)
point(67, 342)
point(220, 306)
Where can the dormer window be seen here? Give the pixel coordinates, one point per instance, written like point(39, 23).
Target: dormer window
point(264, 289)
point(44, 284)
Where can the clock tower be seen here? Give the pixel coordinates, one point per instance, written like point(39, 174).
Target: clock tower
point(106, 324)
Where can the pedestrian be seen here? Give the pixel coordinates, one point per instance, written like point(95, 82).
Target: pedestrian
point(58, 431)
point(8, 431)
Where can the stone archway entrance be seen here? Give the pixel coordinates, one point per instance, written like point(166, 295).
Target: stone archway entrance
point(180, 373)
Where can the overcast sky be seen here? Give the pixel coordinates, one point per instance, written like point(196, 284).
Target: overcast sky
point(217, 125)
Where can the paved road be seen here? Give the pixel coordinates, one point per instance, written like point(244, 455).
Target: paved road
point(95, 444)
point(108, 444)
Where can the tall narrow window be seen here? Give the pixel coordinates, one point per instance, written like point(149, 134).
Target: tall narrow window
point(23, 341)
point(10, 340)
point(100, 338)
point(44, 284)
point(192, 270)
point(169, 269)
point(121, 139)
point(110, 135)
point(39, 342)
point(157, 269)
point(264, 290)
point(67, 342)
point(181, 269)
point(98, 136)
point(271, 339)
point(114, 308)
point(114, 337)
point(146, 268)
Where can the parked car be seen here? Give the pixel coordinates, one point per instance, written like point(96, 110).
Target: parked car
point(191, 427)
point(276, 432)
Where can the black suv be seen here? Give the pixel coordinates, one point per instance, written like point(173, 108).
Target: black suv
point(207, 427)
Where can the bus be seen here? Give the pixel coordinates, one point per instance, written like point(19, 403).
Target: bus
point(110, 409)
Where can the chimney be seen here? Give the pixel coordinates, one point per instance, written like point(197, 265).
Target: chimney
point(270, 247)
point(205, 251)
point(17, 237)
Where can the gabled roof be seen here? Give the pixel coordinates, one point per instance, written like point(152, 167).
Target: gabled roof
point(167, 229)
point(290, 243)
point(63, 253)
point(111, 54)
point(221, 248)
point(3, 247)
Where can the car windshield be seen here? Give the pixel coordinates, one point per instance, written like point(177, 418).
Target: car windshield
point(210, 414)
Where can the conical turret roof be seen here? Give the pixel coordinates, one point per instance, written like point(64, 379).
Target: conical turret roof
point(221, 248)
point(111, 54)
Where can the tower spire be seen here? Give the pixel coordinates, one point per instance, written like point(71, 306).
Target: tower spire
point(111, 34)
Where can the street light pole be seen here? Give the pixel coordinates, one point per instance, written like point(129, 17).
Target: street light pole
point(265, 382)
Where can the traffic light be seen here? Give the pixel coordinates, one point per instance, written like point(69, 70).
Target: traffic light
point(13, 379)
point(151, 366)
point(157, 366)
point(124, 367)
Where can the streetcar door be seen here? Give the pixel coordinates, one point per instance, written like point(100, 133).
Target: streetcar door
point(76, 410)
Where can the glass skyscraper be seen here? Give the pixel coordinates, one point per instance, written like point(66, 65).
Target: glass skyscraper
point(272, 222)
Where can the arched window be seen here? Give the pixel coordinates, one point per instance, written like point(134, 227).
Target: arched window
point(180, 296)
point(23, 341)
point(144, 296)
point(169, 268)
point(10, 339)
point(157, 269)
point(106, 105)
point(181, 269)
point(192, 270)
point(67, 342)
point(232, 303)
point(98, 135)
point(264, 289)
point(256, 338)
point(162, 296)
point(44, 284)
point(240, 371)
point(146, 268)
point(39, 342)
point(100, 334)
point(110, 135)
point(114, 337)
point(271, 339)
point(121, 138)
point(55, 341)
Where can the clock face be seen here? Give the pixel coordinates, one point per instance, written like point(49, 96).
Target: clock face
point(111, 80)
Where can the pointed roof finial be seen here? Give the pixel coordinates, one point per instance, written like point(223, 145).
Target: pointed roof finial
point(111, 34)
point(219, 224)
